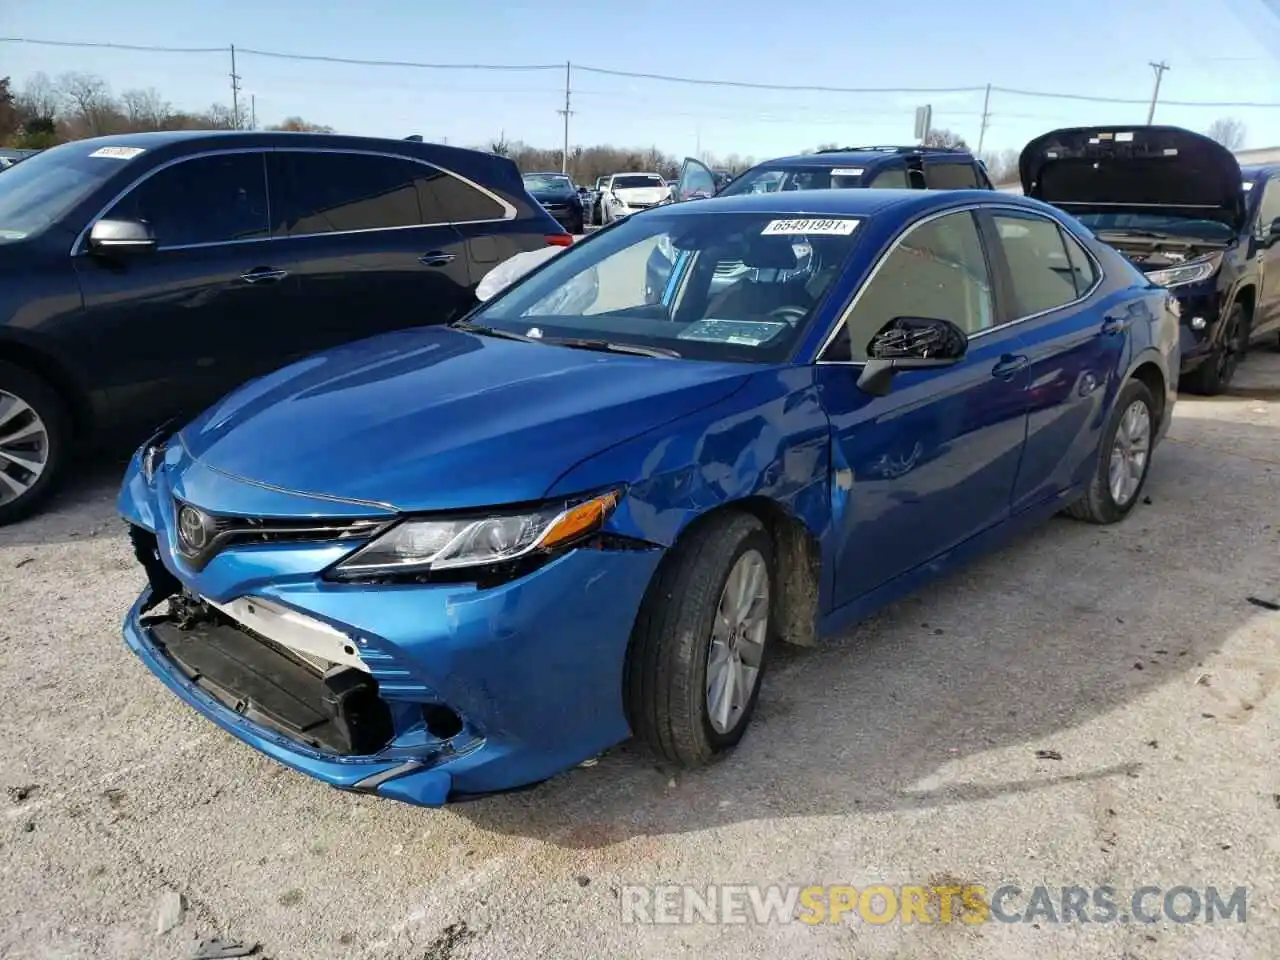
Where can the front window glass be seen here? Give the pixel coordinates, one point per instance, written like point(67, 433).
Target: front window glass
point(40, 189)
point(711, 286)
point(936, 271)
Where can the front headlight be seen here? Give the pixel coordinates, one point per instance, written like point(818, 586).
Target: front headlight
point(478, 540)
point(1193, 271)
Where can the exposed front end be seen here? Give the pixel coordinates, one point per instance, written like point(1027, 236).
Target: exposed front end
point(296, 626)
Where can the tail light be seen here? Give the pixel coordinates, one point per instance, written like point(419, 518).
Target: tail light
point(560, 239)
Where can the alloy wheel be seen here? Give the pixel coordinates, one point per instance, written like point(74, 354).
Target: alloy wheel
point(1233, 347)
point(738, 637)
point(1129, 451)
point(24, 447)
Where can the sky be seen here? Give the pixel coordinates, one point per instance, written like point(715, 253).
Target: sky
point(1222, 52)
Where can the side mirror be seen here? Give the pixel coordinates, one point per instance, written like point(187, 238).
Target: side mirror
point(122, 236)
point(1273, 231)
point(911, 343)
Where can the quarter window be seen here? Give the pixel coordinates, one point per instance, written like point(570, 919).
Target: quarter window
point(936, 270)
point(1043, 275)
point(459, 202)
point(212, 199)
point(1269, 206)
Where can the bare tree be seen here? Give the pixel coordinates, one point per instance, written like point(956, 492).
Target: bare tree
point(1228, 131)
point(298, 125)
point(945, 138)
point(39, 99)
point(218, 117)
point(145, 109)
point(1002, 167)
point(89, 100)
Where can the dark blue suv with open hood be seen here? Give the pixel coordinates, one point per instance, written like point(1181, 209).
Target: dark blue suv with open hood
point(1179, 207)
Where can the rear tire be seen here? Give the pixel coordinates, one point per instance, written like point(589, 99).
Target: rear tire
point(1101, 504)
point(1216, 373)
point(665, 683)
point(34, 439)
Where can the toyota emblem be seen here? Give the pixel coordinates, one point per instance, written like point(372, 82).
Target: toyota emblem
point(193, 529)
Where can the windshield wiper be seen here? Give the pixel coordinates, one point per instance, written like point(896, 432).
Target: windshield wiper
point(491, 331)
point(1127, 232)
point(606, 347)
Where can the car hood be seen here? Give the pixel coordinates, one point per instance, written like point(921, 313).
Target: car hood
point(641, 194)
point(1134, 170)
point(439, 419)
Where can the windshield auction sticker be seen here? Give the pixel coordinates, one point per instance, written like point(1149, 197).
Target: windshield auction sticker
point(118, 153)
point(810, 227)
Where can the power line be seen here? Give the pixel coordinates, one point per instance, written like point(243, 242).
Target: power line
point(665, 78)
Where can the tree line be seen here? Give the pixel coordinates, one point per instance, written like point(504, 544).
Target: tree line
point(47, 111)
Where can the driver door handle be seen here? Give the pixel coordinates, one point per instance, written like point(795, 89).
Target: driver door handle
point(1008, 366)
point(1114, 323)
point(436, 258)
point(264, 275)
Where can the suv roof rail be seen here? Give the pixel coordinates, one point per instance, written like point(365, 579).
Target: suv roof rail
point(918, 148)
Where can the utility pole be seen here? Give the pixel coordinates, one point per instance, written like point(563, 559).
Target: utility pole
point(1159, 68)
point(235, 91)
point(986, 117)
point(697, 132)
point(564, 157)
point(253, 111)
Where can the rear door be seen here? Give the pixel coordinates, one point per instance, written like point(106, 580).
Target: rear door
point(696, 180)
point(1074, 350)
point(171, 330)
point(368, 243)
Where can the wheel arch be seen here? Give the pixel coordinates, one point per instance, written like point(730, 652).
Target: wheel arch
point(57, 374)
point(1152, 376)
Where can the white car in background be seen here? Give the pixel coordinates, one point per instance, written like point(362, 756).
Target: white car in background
point(626, 193)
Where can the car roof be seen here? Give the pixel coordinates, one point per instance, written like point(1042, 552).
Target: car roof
point(637, 173)
point(858, 203)
point(867, 156)
point(546, 173)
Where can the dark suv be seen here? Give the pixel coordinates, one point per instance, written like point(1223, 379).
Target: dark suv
point(934, 168)
point(909, 168)
point(1178, 205)
point(143, 276)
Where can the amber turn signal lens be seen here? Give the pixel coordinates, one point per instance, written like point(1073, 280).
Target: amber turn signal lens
point(582, 519)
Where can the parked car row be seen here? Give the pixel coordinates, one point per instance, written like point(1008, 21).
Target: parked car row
point(460, 558)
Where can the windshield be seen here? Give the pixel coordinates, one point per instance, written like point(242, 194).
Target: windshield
point(546, 181)
point(772, 179)
point(709, 286)
point(1156, 223)
point(637, 180)
point(40, 189)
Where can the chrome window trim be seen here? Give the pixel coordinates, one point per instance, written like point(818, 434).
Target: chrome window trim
point(1098, 275)
point(509, 212)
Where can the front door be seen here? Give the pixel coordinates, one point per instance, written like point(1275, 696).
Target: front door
point(171, 330)
point(696, 181)
point(933, 463)
point(369, 244)
point(1266, 316)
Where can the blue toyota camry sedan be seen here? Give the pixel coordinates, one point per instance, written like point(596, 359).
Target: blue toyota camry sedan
point(456, 560)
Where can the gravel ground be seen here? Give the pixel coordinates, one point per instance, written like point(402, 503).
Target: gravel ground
point(905, 753)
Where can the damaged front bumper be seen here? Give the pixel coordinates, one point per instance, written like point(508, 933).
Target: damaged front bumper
point(450, 690)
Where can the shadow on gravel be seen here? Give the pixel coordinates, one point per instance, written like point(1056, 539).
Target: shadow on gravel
point(1051, 633)
point(84, 507)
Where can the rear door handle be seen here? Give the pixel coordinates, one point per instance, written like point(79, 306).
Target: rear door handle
point(264, 275)
point(436, 258)
point(1008, 366)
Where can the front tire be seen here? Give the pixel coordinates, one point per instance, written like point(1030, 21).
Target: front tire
point(700, 644)
point(1124, 458)
point(34, 436)
point(1216, 373)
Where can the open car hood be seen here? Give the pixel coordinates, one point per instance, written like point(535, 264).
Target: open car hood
point(1160, 170)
